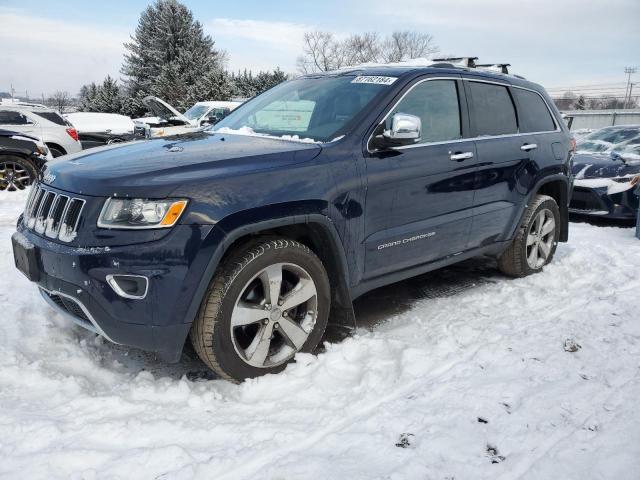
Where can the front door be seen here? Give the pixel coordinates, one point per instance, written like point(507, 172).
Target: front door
point(420, 197)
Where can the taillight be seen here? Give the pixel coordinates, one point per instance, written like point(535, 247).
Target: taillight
point(73, 133)
point(573, 145)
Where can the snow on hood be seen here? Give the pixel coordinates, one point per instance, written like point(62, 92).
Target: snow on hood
point(251, 133)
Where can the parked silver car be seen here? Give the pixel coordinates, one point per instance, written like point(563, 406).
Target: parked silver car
point(41, 122)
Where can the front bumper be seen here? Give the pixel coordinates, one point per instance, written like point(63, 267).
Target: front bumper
point(597, 202)
point(73, 280)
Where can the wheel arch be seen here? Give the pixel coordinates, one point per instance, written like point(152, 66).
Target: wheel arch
point(556, 186)
point(56, 146)
point(316, 231)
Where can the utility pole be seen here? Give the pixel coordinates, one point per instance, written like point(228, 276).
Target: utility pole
point(630, 90)
point(627, 93)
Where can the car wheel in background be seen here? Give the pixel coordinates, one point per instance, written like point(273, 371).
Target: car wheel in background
point(16, 173)
point(265, 303)
point(536, 239)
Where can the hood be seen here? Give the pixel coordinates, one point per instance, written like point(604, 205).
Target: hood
point(154, 168)
point(162, 109)
point(605, 165)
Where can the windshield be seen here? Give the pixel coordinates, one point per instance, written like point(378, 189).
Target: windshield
point(610, 139)
point(309, 109)
point(196, 112)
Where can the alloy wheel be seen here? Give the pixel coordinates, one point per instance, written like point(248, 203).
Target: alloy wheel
point(13, 177)
point(274, 315)
point(540, 238)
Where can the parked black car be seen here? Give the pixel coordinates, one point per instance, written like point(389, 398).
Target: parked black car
point(21, 158)
point(251, 236)
point(606, 169)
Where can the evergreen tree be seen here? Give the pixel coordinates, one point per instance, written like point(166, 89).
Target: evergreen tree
point(87, 97)
point(169, 56)
point(105, 98)
point(108, 98)
point(247, 85)
point(581, 103)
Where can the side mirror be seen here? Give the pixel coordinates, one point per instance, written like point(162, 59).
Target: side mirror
point(405, 130)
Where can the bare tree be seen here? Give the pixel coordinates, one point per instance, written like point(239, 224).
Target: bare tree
point(362, 48)
point(400, 46)
point(322, 51)
point(60, 100)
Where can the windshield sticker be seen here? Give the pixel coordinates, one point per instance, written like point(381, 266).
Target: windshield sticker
point(375, 79)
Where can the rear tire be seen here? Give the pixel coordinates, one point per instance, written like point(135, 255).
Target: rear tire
point(536, 239)
point(16, 173)
point(265, 303)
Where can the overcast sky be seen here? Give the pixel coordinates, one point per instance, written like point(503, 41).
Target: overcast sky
point(47, 46)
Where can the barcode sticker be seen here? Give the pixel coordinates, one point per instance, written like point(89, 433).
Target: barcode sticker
point(375, 79)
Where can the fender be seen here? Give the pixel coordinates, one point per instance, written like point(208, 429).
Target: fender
point(342, 308)
point(563, 205)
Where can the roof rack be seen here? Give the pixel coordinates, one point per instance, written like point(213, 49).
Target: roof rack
point(495, 67)
point(468, 62)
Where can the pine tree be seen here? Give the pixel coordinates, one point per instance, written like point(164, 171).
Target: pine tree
point(581, 103)
point(169, 56)
point(108, 98)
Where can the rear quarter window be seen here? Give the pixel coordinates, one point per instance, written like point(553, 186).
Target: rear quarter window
point(533, 112)
point(493, 112)
point(13, 118)
point(53, 117)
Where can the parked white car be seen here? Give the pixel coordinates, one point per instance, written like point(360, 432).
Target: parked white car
point(42, 122)
point(169, 121)
point(210, 113)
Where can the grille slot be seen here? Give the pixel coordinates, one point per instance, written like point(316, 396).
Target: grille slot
point(57, 211)
point(68, 305)
point(53, 214)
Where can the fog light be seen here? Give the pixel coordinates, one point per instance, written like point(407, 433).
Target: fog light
point(134, 287)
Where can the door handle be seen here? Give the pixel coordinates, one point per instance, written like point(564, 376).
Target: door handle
point(528, 146)
point(460, 156)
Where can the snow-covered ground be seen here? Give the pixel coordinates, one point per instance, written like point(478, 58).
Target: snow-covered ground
point(536, 378)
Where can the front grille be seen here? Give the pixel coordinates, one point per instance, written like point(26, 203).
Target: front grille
point(53, 214)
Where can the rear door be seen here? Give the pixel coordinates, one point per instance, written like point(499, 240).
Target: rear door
point(503, 157)
point(420, 197)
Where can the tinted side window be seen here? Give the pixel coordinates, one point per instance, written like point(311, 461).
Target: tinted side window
point(493, 112)
point(533, 112)
point(53, 117)
point(436, 103)
point(13, 118)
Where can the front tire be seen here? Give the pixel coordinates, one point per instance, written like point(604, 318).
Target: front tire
point(536, 239)
point(264, 304)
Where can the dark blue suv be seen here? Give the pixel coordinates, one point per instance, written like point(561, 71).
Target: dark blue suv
point(251, 236)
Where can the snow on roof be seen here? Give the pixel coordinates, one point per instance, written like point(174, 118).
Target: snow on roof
point(86, 122)
point(415, 62)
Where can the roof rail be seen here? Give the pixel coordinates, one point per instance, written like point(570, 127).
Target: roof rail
point(469, 62)
point(499, 67)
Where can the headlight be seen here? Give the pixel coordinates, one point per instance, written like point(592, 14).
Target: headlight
point(138, 213)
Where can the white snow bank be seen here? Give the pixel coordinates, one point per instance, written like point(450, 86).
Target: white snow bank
point(90, 122)
point(75, 406)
